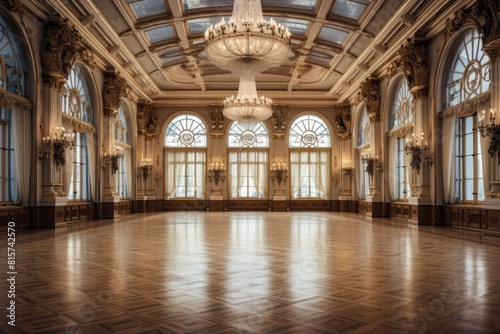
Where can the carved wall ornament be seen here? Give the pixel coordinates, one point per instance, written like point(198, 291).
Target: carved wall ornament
point(217, 120)
point(12, 5)
point(401, 131)
point(455, 23)
point(115, 87)
point(147, 118)
point(413, 55)
point(60, 47)
point(278, 119)
point(303, 70)
point(369, 94)
point(343, 121)
point(190, 69)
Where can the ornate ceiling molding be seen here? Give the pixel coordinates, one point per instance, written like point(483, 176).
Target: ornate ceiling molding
point(12, 5)
point(115, 87)
point(369, 94)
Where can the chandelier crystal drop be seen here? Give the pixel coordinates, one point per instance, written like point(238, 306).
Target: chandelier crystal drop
point(247, 39)
point(247, 108)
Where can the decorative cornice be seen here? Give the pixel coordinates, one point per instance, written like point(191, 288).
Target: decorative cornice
point(217, 121)
point(8, 99)
point(78, 124)
point(466, 108)
point(115, 87)
point(401, 131)
point(369, 94)
point(60, 47)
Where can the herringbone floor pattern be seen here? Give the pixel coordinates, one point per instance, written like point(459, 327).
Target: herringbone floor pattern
point(253, 272)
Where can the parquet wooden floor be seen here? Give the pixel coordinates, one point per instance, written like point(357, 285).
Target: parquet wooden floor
point(253, 272)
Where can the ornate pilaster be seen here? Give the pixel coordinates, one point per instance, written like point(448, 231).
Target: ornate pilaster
point(343, 121)
point(217, 121)
point(114, 89)
point(60, 47)
point(147, 121)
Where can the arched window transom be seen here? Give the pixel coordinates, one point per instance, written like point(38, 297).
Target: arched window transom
point(309, 131)
point(186, 131)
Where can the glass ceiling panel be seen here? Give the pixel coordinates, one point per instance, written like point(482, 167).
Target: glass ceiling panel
point(146, 8)
point(193, 4)
point(197, 26)
point(161, 33)
point(296, 27)
point(332, 35)
point(299, 4)
point(349, 9)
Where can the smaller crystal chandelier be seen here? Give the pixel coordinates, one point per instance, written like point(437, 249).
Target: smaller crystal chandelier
point(247, 45)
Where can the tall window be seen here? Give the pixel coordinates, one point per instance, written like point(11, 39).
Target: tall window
point(468, 77)
point(363, 141)
point(78, 118)
point(122, 140)
point(15, 118)
point(248, 161)
point(309, 144)
point(468, 163)
point(185, 157)
point(401, 117)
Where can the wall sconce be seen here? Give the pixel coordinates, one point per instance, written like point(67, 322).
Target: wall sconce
point(112, 159)
point(216, 172)
point(145, 168)
point(347, 169)
point(279, 172)
point(57, 142)
point(412, 147)
point(491, 130)
point(372, 163)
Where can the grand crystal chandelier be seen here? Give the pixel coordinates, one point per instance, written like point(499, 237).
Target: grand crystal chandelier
point(246, 45)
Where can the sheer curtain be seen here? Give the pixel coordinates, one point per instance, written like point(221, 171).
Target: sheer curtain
point(257, 162)
point(69, 165)
point(319, 171)
point(128, 171)
point(448, 158)
point(21, 125)
point(89, 137)
point(178, 176)
point(299, 171)
point(360, 176)
point(393, 172)
point(199, 175)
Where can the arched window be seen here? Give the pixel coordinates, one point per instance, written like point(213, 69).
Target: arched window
point(185, 157)
point(122, 140)
point(363, 147)
point(15, 117)
point(467, 77)
point(309, 143)
point(79, 173)
point(248, 161)
point(401, 116)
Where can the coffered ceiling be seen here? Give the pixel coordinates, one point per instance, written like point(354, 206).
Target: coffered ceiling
point(158, 44)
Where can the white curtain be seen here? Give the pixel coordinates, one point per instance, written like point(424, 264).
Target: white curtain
point(128, 171)
point(248, 169)
point(299, 171)
point(89, 137)
point(69, 165)
point(393, 173)
point(184, 169)
point(360, 176)
point(320, 171)
point(21, 129)
point(448, 158)
point(486, 160)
